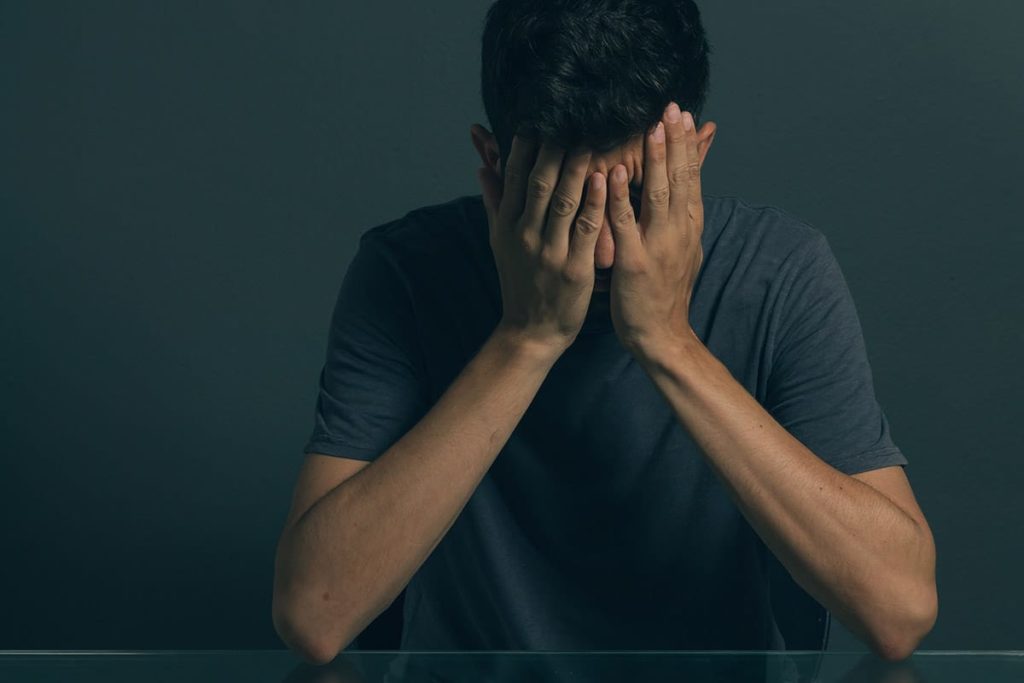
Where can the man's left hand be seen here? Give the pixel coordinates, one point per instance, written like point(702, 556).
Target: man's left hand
point(657, 259)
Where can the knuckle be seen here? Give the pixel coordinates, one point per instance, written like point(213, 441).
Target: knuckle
point(550, 259)
point(586, 225)
point(563, 204)
point(693, 168)
point(574, 274)
point(624, 217)
point(513, 175)
point(658, 196)
point(526, 243)
point(539, 187)
point(679, 175)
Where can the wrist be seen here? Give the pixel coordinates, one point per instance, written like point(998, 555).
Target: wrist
point(521, 343)
point(656, 349)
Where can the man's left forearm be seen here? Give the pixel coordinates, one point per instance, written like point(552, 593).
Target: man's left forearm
point(855, 551)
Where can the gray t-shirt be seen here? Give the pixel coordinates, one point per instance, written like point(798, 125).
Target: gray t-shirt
point(600, 525)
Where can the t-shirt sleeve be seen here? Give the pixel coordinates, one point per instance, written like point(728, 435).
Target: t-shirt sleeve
point(820, 386)
point(371, 387)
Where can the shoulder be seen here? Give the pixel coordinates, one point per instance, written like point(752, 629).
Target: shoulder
point(771, 233)
point(430, 229)
point(432, 250)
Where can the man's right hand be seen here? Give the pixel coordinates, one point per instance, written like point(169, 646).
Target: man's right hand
point(545, 258)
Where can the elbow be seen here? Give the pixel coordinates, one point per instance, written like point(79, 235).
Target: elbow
point(904, 637)
point(289, 631)
point(315, 648)
point(314, 620)
point(308, 632)
point(893, 650)
point(311, 636)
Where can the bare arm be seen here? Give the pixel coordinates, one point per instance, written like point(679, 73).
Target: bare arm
point(348, 557)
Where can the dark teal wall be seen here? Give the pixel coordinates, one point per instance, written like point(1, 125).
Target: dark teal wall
point(182, 186)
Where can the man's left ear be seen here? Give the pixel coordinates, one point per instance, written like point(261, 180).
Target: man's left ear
point(705, 136)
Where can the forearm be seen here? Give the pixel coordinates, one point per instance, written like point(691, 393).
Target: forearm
point(354, 551)
point(848, 545)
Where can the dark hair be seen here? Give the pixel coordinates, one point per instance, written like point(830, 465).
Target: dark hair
point(590, 73)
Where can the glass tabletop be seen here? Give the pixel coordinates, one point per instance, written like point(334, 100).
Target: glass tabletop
point(257, 666)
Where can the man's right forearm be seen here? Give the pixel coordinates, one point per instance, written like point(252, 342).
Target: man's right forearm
point(350, 555)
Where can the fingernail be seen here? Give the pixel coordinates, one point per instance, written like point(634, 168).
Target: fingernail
point(659, 132)
point(687, 121)
point(672, 112)
point(620, 174)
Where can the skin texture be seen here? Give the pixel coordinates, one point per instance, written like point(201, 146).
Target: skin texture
point(630, 156)
point(859, 544)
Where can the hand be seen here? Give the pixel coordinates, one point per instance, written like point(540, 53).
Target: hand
point(545, 265)
point(657, 260)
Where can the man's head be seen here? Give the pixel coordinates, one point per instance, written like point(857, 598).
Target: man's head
point(590, 73)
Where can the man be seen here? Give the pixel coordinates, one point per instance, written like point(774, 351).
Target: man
point(582, 410)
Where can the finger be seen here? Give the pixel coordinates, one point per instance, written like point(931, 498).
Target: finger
point(654, 205)
point(694, 200)
point(540, 186)
point(620, 215)
point(565, 203)
point(517, 169)
point(587, 228)
point(678, 173)
point(490, 193)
